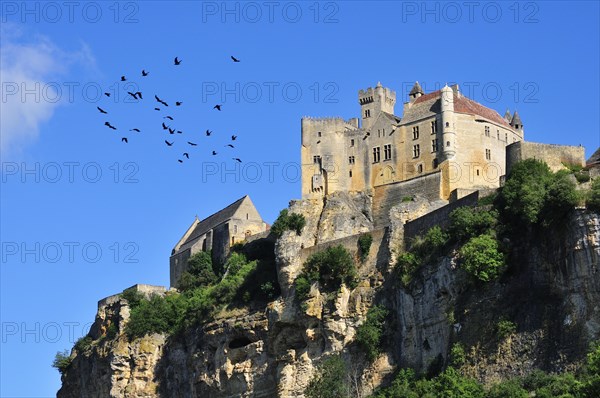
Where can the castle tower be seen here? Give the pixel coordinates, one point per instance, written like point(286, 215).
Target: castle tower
point(373, 101)
point(507, 116)
point(516, 122)
point(415, 92)
point(448, 128)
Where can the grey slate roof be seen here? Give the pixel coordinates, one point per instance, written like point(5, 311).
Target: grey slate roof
point(507, 116)
point(516, 119)
point(416, 89)
point(213, 220)
point(595, 158)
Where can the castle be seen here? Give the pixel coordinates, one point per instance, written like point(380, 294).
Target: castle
point(444, 147)
point(455, 143)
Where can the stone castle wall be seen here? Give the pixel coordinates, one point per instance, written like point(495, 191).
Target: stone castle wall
point(554, 155)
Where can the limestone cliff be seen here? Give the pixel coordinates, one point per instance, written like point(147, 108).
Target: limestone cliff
point(552, 293)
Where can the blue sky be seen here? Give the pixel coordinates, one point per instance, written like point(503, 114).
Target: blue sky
point(84, 216)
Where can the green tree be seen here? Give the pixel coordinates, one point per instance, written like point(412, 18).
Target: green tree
point(200, 272)
point(593, 199)
point(481, 258)
point(524, 193)
point(467, 222)
point(561, 198)
point(62, 360)
point(332, 266)
point(369, 334)
point(507, 389)
point(364, 246)
point(331, 380)
point(286, 221)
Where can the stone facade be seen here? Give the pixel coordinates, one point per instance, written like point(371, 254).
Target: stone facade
point(556, 156)
point(440, 131)
point(216, 233)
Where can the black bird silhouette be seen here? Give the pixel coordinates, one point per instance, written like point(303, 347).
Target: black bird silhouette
point(139, 94)
point(214, 153)
point(187, 155)
point(136, 130)
point(169, 143)
point(217, 107)
point(168, 117)
point(178, 103)
point(179, 132)
point(164, 126)
point(230, 146)
point(233, 137)
point(144, 73)
point(123, 78)
point(107, 94)
point(161, 101)
point(176, 61)
point(237, 160)
point(134, 95)
point(208, 133)
point(101, 110)
point(180, 161)
point(192, 144)
point(157, 109)
point(171, 131)
point(110, 125)
point(234, 59)
point(124, 139)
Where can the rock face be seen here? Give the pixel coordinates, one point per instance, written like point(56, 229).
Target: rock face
point(552, 294)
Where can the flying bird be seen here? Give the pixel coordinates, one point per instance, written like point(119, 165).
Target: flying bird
point(101, 110)
point(233, 137)
point(187, 155)
point(230, 146)
point(234, 59)
point(157, 109)
point(139, 94)
point(169, 143)
point(144, 73)
point(164, 126)
point(110, 125)
point(161, 101)
point(136, 130)
point(237, 160)
point(214, 153)
point(171, 131)
point(192, 144)
point(134, 95)
point(179, 132)
point(168, 117)
point(176, 61)
point(180, 161)
point(217, 107)
point(107, 94)
point(124, 139)
point(208, 133)
point(178, 103)
point(123, 78)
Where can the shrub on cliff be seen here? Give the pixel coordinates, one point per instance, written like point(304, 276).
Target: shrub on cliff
point(364, 246)
point(286, 221)
point(62, 360)
point(467, 222)
point(593, 199)
point(330, 381)
point(200, 272)
point(481, 258)
point(369, 334)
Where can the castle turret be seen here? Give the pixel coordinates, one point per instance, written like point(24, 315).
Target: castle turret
point(415, 92)
point(516, 122)
point(373, 101)
point(448, 128)
point(507, 115)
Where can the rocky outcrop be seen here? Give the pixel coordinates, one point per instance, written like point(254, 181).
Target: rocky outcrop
point(551, 293)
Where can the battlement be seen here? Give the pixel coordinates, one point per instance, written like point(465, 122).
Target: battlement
point(327, 123)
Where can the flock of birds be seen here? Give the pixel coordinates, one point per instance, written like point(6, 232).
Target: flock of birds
point(161, 105)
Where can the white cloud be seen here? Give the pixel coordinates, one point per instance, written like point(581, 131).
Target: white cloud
point(30, 65)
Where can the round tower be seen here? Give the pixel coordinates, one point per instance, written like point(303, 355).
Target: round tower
point(448, 129)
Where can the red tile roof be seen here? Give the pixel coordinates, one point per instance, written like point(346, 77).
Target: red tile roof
point(463, 104)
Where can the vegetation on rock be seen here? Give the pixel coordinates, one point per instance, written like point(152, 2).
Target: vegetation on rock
point(364, 246)
point(286, 221)
point(369, 334)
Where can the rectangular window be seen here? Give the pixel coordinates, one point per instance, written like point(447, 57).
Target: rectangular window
point(498, 134)
point(505, 137)
point(387, 152)
point(352, 142)
point(350, 159)
point(434, 145)
point(317, 159)
point(368, 113)
point(319, 133)
point(235, 229)
point(487, 131)
point(434, 127)
point(415, 132)
point(376, 154)
point(350, 173)
point(488, 154)
point(416, 151)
